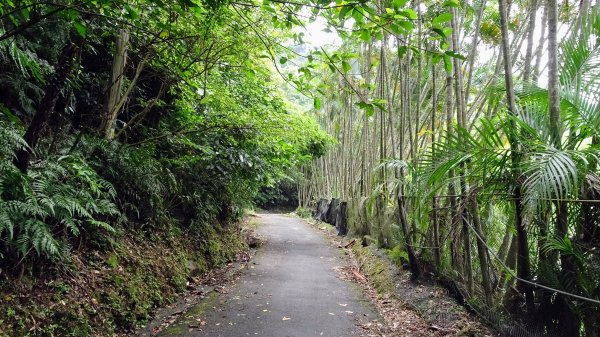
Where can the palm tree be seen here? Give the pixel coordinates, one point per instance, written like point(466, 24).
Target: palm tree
point(555, 167)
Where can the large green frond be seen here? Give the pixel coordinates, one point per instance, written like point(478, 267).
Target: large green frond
point(553, 174)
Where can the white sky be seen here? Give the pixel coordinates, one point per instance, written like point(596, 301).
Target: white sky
point(316, 36)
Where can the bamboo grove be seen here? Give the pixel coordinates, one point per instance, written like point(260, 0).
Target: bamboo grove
point(468, 146)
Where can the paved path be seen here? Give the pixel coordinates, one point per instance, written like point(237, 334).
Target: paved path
point(291, 290)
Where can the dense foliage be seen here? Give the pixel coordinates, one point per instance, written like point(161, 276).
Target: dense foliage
point(126, 116)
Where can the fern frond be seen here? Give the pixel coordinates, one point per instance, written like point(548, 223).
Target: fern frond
point(6, 223)
point(102, 225)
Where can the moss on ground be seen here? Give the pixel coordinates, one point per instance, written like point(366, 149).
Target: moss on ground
point(100, 293)
point(375, 268)
point(190, 317)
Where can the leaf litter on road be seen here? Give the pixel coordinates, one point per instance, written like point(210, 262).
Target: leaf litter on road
point(401, 319)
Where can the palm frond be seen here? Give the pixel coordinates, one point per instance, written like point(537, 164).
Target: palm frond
point(486, 147)
point(555, 174)
point(579, 56)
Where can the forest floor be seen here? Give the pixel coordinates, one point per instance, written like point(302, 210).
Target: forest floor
point(111, 285)
point(305, 281)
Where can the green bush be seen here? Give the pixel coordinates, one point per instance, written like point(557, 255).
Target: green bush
point(398, 255)
point(303, 212)
point(59, 199)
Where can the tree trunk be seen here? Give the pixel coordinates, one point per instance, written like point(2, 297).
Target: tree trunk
point(566, 325)
point(529, 51)
point(482, 253)
point(473, 53)
point(415, 264)
point(434, 200)
point(107, 127)
point(523, 267)
point(553, 86)
point(455, 253)
point(464, 188)
point(510, 261)
point(540, 48)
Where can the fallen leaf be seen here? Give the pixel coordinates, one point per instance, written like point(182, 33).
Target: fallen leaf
point(359, 275)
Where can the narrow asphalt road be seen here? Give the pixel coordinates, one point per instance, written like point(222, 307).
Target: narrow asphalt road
point(291, 290)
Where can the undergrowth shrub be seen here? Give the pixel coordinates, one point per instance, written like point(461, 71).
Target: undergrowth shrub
point(142, 182)
point(398, 255)
point(59, 199)
point(304, 212)
point(215, 184)
point(283, 194)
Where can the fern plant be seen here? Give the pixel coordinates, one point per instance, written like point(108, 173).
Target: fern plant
point(57, 200)
point(143, 183)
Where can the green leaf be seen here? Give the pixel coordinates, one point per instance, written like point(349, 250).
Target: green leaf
point(447, 63)
point(399, 3)
point(409, 13)
point(396, 29)
point(283, 60)
point(305, 71)
point(365, 35)
point(81, 30)
point(9, 115)
point(451, 3)
point(131, 13)
point(250, 73)
point(268, 8)
point(368, 107)
point(317, 103)
point(346, 66)
point(346, 10)
point(358, 16)
point(71, 14)
point(402, 51)
point(439, 32)
point(447, 31)
point(380, 103)
point(25, 13)
point(442, 18)
point(405, 24)
point(455, 55)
